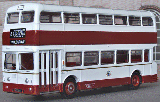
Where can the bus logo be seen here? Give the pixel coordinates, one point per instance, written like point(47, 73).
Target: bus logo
point(108, 73)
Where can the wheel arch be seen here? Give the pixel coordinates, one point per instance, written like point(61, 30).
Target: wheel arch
point(71, 76)
point(137, 71)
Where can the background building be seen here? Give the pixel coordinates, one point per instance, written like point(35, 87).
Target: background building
point(151, 5)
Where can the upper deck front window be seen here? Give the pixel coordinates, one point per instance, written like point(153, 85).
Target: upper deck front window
point(27, 16)
point(12, 18)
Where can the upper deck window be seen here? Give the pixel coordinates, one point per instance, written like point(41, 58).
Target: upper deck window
point(12, 18)
point(27, 16)
point(120, 20)
point(147, 21)
point(50, 17)
point(89, 18)
point(105, 19)
point(134, 21)
point(72, 18)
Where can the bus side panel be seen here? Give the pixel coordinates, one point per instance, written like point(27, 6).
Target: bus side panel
point(104, 77)
point(103, 83)
point(152, 76)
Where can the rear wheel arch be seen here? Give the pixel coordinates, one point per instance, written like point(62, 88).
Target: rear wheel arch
point(69, 87)
point(72, 77)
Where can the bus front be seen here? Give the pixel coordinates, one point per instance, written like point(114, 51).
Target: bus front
point(19, 53)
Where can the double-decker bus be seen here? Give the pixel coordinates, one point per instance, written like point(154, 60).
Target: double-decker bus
point(50, 48)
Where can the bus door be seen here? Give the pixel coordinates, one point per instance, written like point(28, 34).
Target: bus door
point(55, 65)
point(44, 70)
point(50, 70)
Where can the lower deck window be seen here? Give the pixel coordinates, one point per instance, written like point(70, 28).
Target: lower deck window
point(91, 58)
point(122, 56)
point(10, 61)
point(73, 59)
point(26, 62)
point(107, 57)
point(146, 55)
point(136, 56)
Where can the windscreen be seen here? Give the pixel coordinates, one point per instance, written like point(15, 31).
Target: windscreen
point(10, 61)
point(12, 18)
point(26, 62)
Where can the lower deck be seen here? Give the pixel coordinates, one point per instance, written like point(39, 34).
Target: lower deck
point(37, 69)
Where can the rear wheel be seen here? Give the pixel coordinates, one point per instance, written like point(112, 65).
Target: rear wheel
point(135, 81)
point(69, 88)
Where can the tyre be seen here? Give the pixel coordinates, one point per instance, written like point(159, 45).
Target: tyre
point(135, 81)
point(69, 88)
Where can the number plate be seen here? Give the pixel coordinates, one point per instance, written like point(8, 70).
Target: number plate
point(18, 90)
point(18, 33)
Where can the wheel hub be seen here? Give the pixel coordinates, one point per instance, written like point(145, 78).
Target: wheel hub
point(70, 88)
point(135, 80)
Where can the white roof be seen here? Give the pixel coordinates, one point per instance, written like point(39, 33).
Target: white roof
point(71, 9)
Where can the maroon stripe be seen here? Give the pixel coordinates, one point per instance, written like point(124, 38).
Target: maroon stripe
point(83, 38)
point(10, 87)
point(149, 78)
point(103, 83)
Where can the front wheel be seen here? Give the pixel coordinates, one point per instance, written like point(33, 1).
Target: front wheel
point(69, 88)
point(135, 81)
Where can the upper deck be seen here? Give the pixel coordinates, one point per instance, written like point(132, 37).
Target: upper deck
point(65, 25)
point(97, 14)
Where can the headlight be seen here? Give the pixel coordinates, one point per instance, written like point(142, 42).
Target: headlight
point(3, 78)
point(8, 79)
point(26, 80)
point(30, 89)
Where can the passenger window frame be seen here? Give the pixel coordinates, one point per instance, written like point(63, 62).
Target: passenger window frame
point(134, 19)
point(120, 17)
point(50, 14)
point(76, 15)
point(32, 17)
point(89, 17)
point(80, 62)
